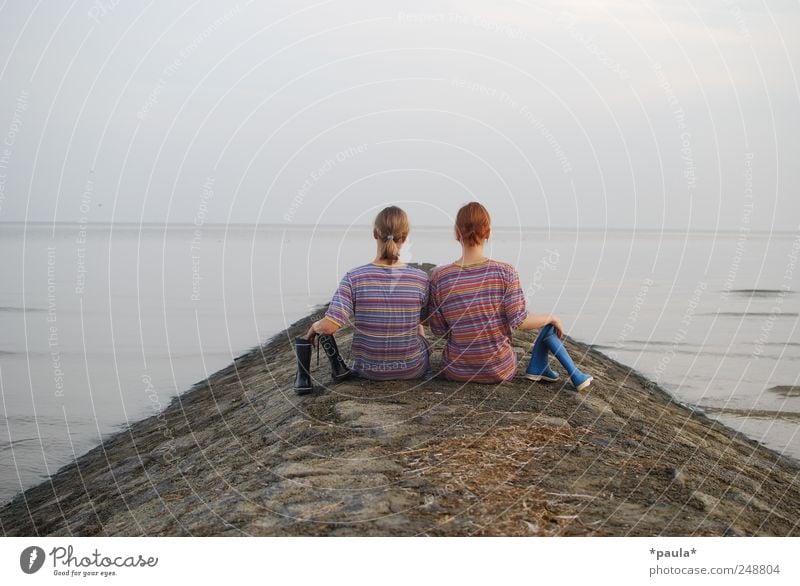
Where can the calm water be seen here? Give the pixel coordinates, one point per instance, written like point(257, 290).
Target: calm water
point(103, 327)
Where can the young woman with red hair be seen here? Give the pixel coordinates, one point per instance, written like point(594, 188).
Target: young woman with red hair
point(476, 303)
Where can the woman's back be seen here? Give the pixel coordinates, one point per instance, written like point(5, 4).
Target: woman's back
point(384, 302)
point(477, 307)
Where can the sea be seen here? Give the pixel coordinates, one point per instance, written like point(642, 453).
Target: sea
point(102, 325)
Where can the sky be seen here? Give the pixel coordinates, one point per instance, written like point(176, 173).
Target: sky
point(650, 115)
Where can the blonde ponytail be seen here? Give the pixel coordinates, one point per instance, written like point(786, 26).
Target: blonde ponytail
point(391, 229)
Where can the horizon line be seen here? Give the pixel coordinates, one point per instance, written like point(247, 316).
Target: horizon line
point(299, 226)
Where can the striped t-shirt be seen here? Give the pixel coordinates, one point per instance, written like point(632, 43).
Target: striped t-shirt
point(476, 307)
point(384, 302)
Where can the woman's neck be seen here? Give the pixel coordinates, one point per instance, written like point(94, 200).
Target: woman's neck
point(471, 254)
point(383, 262)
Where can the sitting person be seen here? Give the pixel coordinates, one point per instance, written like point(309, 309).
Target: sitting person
point(476, 303)
point(383, 301)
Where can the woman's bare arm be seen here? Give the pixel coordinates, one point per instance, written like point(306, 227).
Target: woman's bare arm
point(323, 326)
point(535, 321)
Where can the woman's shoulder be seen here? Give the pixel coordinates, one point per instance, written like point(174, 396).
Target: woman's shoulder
point(371, 269)
point(502, 266)
point(456, 270)
point(438, 271)
point(360, 272)
point(417, 273)
point(412, 274)
point(507, 270)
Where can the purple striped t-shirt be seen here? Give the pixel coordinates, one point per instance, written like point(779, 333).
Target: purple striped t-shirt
point(384, 302)
point(476, 307)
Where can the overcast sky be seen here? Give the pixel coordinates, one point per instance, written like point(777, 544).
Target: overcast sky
point(676, 114)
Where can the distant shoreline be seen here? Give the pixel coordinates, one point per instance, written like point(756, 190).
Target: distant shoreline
point(671, 232)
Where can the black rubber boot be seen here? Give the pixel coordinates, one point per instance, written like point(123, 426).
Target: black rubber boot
point(302, 382)
point(339, 368)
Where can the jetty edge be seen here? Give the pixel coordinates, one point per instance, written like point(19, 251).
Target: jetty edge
point(240, 454)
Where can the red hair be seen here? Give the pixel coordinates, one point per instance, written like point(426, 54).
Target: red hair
point(473, 224)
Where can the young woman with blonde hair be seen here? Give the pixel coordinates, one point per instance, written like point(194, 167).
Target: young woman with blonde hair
point(476, 303)
point(382, 300)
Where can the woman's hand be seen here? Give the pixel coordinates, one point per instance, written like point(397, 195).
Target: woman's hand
point(323, 326)
point(311, 334)
point(536, 321)
point(557, 326)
